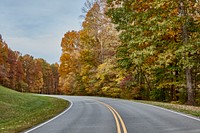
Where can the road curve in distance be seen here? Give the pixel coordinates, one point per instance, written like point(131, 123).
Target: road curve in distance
point(85, 116)
point(106, 115)
point(143, 118)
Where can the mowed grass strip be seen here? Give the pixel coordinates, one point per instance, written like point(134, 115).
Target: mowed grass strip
point(19, 111)
point(186, 109)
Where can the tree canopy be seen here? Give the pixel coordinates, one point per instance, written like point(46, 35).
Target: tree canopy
point(135, 49)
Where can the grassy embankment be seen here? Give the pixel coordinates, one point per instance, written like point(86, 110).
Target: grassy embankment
point(186, 109)
point(20, 111)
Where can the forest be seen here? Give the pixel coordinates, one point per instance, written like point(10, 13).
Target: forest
point(134, 49)
point(131, 49)
point(26, 74)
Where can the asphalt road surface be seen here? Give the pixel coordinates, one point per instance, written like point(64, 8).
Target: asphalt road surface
point(104, 115)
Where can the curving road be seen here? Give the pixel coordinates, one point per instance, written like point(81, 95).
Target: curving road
point(104, 115)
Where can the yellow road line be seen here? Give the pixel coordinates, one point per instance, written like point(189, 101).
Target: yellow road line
point(117, 122)
point(114, 112)
point(120, 118)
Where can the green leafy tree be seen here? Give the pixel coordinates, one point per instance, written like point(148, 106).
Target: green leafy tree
point(151, 33)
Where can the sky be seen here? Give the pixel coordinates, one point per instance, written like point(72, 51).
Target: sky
point(36, 27)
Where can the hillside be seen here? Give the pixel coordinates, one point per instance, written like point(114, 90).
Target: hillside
point(19, 111)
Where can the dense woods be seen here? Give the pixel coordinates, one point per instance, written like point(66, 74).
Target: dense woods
point(26, 74)
point(136, 49)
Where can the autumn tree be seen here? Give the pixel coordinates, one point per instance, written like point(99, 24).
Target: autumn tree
point(20, 75)
point(56, 75)
point(4, 65)
point(189, 14)
point(26, 74)
point(99, 40)
point(152, 32)
point(134, 49)
point(70, 64)
point(84, 51)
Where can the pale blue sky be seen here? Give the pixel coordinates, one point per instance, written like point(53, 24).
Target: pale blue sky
point(36, 27)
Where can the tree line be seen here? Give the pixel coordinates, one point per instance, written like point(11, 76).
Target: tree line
point(25, 73)
point(135, 49)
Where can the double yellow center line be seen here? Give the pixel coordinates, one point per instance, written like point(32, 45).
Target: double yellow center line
point(117, 118)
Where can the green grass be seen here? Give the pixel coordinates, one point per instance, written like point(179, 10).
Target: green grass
point(186, 109)
point(19, 111)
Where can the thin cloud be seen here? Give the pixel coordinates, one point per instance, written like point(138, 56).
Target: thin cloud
point(36, 27)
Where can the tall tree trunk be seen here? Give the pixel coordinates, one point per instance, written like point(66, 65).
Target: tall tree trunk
point(148, 88)
point(190, 91)
point(102, 52)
